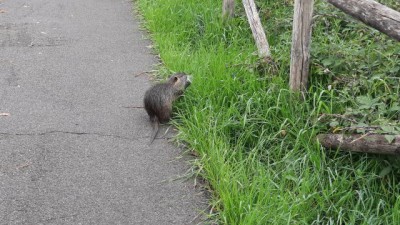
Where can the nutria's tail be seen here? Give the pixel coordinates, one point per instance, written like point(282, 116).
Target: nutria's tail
point(155, 123)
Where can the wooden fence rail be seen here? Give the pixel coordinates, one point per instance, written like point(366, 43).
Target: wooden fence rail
point(376, 15)
point(370, 12)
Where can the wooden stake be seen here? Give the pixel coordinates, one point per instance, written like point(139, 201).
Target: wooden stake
point(228, 9)
point(257, 29)
point(301, 40)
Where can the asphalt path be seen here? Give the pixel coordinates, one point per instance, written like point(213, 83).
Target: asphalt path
point(73, 147)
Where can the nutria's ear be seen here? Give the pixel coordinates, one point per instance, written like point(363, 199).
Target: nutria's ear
point(175, 79)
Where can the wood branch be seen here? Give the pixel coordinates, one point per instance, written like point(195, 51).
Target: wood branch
point(228, 9)
point(372, 13)
point(257, 29)
point(301, 40)
point(373, 143)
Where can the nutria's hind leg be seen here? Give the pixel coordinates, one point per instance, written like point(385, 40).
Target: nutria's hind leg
point(165, 113)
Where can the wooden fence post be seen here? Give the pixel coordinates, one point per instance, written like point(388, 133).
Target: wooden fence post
point(228, 9)
point(257, 29)
point(301, 40)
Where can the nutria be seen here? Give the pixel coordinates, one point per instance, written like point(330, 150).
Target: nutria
point(158, 99)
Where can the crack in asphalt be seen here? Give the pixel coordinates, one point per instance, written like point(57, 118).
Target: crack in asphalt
point(73, 133)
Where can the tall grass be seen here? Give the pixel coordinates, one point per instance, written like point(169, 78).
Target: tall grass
point(255, 139)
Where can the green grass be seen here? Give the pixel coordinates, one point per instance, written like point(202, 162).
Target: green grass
point(255, 139)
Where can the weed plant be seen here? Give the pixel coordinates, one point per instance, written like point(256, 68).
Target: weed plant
point(255, 139)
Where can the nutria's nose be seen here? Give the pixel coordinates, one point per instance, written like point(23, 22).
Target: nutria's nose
point(188, 81)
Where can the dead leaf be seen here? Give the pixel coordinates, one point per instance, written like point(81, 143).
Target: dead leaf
point(2, 11)
point(24, 165)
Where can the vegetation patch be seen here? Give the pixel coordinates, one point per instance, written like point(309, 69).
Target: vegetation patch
point(255, 140)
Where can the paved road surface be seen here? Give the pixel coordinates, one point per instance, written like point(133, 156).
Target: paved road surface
point(71, 149)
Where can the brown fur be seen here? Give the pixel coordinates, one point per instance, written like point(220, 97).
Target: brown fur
point(159, 98)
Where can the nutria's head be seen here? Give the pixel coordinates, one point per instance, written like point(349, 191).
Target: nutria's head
point(180, 81)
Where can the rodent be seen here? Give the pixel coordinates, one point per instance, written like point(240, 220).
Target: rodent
point(159, 98)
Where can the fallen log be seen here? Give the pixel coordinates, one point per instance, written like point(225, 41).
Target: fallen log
point(372, 143)
point(372, 13)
